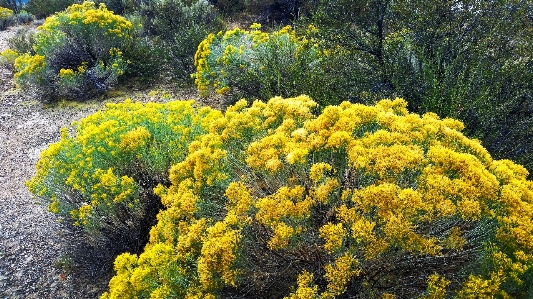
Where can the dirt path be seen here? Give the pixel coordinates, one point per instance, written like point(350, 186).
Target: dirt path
point(39, 257)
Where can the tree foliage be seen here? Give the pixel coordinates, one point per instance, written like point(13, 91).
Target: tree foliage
point(465, 59)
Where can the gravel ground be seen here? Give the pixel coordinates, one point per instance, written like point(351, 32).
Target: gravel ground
point(40, 257)
point(36, 251)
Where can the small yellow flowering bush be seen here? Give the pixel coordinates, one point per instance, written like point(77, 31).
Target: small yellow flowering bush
point(8, 57)
point(101, 177)
point(358, 201)
point(82, 49)
point(257, 64)
point(6, 17)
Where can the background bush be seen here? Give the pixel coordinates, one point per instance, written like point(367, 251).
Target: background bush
point(256, 64)
point(79, 54)
point(287, 62)
point(23, 41)
point(175, 28)
point(23, 18)
point(44, 8)
point(101, 175)
point(6, 18)
point(359, 201)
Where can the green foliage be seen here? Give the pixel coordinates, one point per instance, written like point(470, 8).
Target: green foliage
point(475, 67)
point(176, 28)
point(270, 12)
point(101, 176)
point(44, 8)
point(469, 60)
point(23, 17)
point(229, 7)
point(256, 64)
point(79, 53)
point(356, 29)
point(22, 41)
point(358, 201)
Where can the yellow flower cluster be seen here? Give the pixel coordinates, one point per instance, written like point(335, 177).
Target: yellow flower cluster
point(8, 57)
point(218, 254)
point(66, 73)
point(306, 289)
point(5, 13)
point(28, 67)
point(333, 234)
point(88, 14)
point(341, 196)
point(436, 287)
point(135, 139)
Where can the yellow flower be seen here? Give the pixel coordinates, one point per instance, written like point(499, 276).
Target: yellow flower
point(318, 170)
point(306, 289)
point(282, 236)
point(135, 139)
point(66, 73)
point(334, 235)
point(255, 26)
point(338, 274)
point(436, 287)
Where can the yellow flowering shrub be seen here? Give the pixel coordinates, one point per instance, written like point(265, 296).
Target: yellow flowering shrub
point(101, 174)
point(8, 57)
point(256, 64)
point(357, 201)
point(6, 17)
point(30, 70)
point(82, 49)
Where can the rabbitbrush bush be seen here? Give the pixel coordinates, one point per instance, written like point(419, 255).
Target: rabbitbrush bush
point(256, 64)
point(101, 176)
point(356, 202)
point(6, 18)
point(78, 53)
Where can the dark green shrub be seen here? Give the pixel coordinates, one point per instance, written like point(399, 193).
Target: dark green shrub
point(23, 41)
point(229, 7)
point(268, 12)
point(44, 8)
point(23, 17)
point(176, 27)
